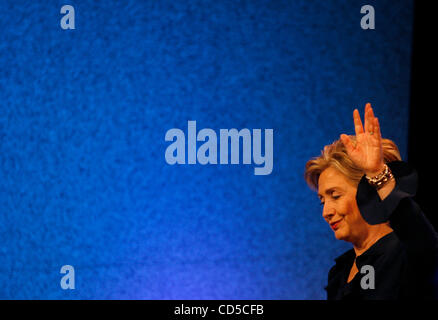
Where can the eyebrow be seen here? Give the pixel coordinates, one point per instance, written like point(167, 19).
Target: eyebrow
point(327, 191)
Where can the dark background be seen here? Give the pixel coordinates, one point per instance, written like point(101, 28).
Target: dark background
point(422, 143)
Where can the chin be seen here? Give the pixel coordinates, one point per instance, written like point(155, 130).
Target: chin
point(341, 235)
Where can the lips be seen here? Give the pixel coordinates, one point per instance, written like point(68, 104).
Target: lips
point(335, 225)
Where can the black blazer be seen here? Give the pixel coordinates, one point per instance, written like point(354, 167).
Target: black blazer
point(405, 261)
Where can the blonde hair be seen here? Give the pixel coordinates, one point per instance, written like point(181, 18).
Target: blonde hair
point(335, 155)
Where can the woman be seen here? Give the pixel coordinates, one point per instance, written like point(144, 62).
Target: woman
point(366, 192)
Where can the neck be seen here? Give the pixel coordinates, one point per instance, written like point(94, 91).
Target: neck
point(373, 235)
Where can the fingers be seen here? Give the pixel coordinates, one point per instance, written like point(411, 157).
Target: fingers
point(371, 126)
point(358, 127)
point(377, 129)
point(369, 118)
point(347, 142)
point(371, 122)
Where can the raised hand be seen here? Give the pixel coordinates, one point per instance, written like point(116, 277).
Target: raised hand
point(367, 152)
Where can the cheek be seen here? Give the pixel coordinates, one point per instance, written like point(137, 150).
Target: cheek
point(353, 216)
point(348, 209)
point(345, 208)
point(352, 219)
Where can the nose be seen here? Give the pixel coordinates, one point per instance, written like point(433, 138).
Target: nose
point(328, 211)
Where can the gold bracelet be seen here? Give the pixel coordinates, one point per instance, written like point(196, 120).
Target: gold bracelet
point(381, 179)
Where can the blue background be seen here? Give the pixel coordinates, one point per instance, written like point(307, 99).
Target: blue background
point(84, 112)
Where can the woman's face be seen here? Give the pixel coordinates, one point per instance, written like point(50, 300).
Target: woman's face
point(338, 196)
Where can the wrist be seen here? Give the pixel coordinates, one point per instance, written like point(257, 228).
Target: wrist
point(381, 179)
point(375, 172)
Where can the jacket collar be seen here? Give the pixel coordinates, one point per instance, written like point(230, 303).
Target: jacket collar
point(376, 249)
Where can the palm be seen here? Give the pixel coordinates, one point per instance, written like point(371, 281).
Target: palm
point(366, 153)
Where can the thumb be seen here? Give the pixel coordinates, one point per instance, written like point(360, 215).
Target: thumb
point(347, 142)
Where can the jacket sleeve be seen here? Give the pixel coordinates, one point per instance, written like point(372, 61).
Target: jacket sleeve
point(399, 208)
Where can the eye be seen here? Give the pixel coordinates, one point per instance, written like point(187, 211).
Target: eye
point(336, 196)
point(321, 199)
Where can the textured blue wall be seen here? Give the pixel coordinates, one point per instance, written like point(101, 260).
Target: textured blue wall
point(83, 114)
